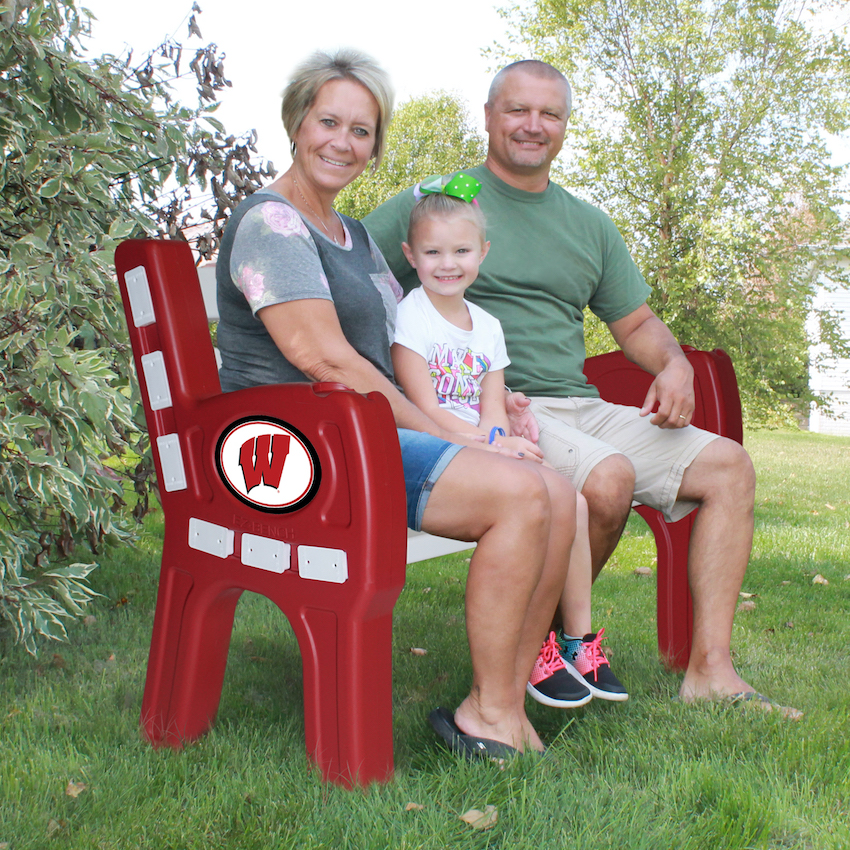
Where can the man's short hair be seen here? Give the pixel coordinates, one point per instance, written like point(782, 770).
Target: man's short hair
point(537, 69)
point(345, 64)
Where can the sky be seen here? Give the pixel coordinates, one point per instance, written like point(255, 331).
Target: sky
point(436, 45)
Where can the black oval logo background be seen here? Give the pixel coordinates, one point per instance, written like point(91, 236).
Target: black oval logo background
point(262, 445)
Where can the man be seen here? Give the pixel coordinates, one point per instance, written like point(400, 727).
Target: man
point(551, 255)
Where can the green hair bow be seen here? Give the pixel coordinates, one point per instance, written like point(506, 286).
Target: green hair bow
point(458, 186)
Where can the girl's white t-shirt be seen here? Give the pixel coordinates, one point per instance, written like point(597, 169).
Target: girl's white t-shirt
point(457, 359)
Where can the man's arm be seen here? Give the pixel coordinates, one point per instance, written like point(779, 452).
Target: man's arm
point(647, 341)
point(520, 417)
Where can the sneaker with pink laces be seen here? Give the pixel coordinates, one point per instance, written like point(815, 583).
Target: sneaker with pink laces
point(551, 683)
point(584, 659)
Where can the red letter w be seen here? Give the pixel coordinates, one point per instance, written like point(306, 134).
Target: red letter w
point(267, 467)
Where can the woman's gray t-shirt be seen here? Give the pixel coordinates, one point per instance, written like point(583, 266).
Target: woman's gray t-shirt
point(270, 255)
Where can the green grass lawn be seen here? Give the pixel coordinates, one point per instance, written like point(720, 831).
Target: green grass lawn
point(649, 773)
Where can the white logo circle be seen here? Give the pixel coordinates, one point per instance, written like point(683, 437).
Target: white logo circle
point(268, 464)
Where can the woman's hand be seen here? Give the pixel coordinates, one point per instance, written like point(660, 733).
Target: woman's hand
point(520, 447)
point(512, 447)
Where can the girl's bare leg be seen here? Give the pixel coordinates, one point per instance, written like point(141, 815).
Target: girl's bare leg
point(574, 606)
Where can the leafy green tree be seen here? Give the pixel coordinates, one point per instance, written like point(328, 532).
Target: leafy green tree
point(86, 149)
point(428, 135)
point(700, 126)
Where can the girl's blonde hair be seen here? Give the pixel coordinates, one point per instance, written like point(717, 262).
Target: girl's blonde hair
point(441, 206)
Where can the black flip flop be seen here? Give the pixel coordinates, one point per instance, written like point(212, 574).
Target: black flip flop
point(443, 722)
point(763, 702)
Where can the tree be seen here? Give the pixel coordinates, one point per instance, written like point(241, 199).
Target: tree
point(699, 125)
point(86, 149)
point(428, 135)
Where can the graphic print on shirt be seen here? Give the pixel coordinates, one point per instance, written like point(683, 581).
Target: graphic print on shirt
point(457, 374)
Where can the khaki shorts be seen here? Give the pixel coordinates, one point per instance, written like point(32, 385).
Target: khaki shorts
point(577, 433)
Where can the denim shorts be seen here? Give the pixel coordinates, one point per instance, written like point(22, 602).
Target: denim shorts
point(424, 458)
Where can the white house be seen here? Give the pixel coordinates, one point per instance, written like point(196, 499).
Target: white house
point(831, 376)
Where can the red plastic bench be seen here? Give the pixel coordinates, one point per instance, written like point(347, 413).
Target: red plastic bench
point(331, 552)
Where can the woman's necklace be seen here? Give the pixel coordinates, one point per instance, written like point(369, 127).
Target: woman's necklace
point(307, 204)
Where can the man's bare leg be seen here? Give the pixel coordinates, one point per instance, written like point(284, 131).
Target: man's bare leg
point(515, 578)
point(722, 479)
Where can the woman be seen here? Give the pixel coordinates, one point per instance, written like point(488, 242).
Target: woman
point(304, 294)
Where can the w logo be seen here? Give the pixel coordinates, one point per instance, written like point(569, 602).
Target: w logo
point(262, 459)
point(268, 464)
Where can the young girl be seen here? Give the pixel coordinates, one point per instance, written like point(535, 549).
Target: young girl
point(449, 358)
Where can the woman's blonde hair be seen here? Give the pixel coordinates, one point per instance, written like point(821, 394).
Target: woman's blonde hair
point(345, 64)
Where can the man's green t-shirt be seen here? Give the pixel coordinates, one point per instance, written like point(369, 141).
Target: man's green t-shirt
point(551, 255)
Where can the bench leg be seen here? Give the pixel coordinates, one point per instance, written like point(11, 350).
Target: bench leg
point(674, 606)
point(347, 663)
point(188, 657)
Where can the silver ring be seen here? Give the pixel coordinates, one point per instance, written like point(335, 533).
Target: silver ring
point(682, 417)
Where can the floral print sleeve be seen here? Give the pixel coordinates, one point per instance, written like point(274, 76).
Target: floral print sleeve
point(388, 287)
point(274, 258)
point(387, 278)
